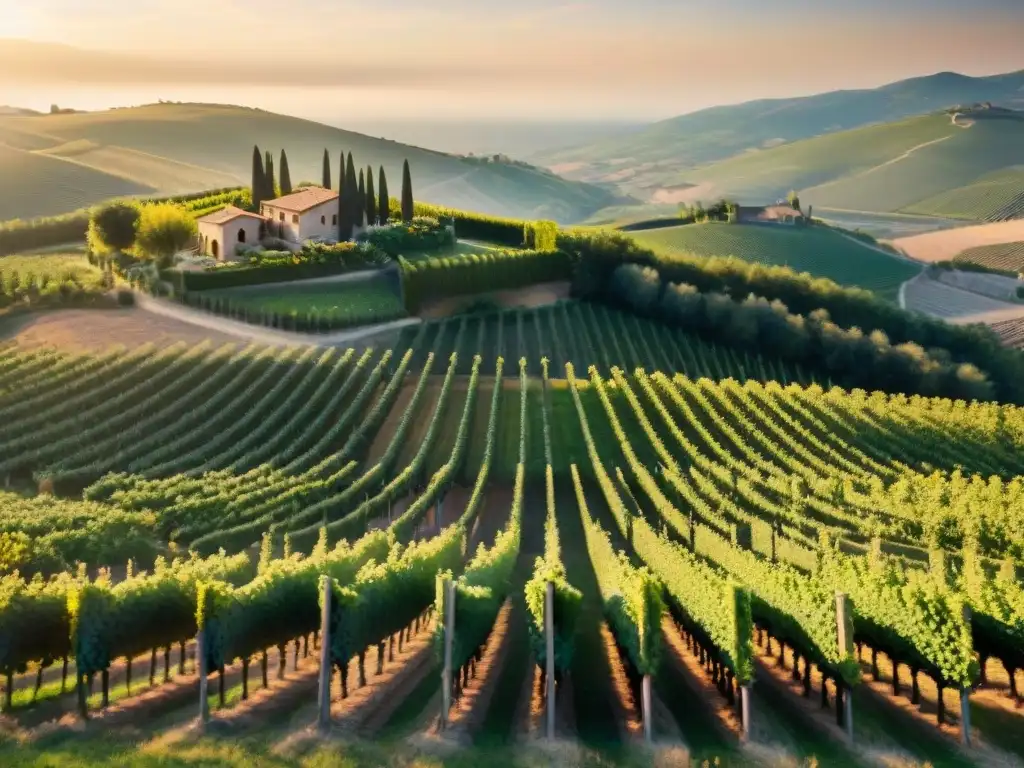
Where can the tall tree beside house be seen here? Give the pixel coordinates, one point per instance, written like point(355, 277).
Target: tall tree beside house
point(407, 204)
point(371, 197)
point(259, 185)
point(362, 192)
point(271, 181)
point(341, 197)
point(327, 170)
point(384, 206)
point(354, 206)
point(286, 176)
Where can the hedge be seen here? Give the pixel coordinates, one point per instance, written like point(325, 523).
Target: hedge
point(236, 277)
point(444, 277)
point(596, 255)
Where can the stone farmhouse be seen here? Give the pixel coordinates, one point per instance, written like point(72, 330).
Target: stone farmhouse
point(780, 213)
point(222, 231)
point(308, 213)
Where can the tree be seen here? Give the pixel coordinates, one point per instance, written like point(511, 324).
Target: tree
point(351, 215)
point(259, 185)
point(286, 176)
point(371, 197)
point(164, 229)
point(362, 191)
point(793, 199)
point(116, 225)
point(341, 198)
point(384, 206)
point(327, 170)
point(271, 182)
point(407, 204)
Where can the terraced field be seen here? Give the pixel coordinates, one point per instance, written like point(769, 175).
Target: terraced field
point(816, 250)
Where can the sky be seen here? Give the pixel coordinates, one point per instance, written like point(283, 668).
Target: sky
point(480, 59)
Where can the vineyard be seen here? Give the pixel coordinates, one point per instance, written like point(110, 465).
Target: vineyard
point(695, 512)
point(1008, 257)
point(816, 250)
point(996, 196)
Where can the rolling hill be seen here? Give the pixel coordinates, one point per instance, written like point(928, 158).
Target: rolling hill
point(50, 164)
point(820, 251)
point(648, 162)
point(893, 167)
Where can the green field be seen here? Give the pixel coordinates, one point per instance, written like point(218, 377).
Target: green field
point(995, 196)
point(816, 250)
point(1004, 256)
point(347, 303)
point(50, 164)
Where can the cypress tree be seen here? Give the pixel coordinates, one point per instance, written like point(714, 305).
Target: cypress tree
point(327, 170)
point(384, 206)
point(371, 197)
point(286, 176)
point(362, 191)
point(350, 193)
point(271, 182)
point(258, 185)
point(341, 198)
point(407, 204)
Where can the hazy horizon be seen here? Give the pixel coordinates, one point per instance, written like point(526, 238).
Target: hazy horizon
point(594, 60)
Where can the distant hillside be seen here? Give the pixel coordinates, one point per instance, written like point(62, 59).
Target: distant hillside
point(50, 164)
point(648, 161)
point(911, 165)
point(818, 250)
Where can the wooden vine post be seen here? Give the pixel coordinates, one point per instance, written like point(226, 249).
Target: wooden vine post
point(965, 699)
point(645, 705)
point(324, 693)
point(449, 631)
point(549, 640)
point(844, 633)
point(204, 700)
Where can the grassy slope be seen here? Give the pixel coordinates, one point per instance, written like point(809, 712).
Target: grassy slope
point(218, 140)
point(816, 250)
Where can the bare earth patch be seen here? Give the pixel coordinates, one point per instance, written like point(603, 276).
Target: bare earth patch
point(534, 296)
point(96, 329)
point(948, 243)
point(683, 194)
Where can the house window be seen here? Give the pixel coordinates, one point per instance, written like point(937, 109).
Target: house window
point(281, 214)
point(323, 219)
point(241, 235)
point(334, 219)
point(295, 218)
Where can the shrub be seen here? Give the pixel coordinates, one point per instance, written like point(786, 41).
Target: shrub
point(114, 227)
point(164, 230)
point(422, 233)
point(125, 298)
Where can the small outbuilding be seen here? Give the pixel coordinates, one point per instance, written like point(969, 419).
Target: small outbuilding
point(221, 232)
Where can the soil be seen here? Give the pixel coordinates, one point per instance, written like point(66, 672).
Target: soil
point(468, 713)
point(367, 708)
point(948, 243)
point(533, 296)
point(96, 329)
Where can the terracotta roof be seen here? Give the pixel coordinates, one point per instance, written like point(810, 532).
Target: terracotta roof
point(304, 199)
point(227, 214)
